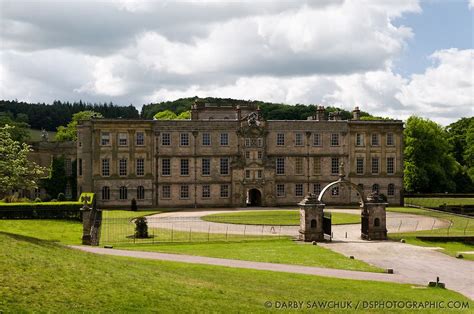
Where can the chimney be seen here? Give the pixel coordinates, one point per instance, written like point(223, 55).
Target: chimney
point(320, 114)
point(239, 112)
point(356, 114)
point(194, 112)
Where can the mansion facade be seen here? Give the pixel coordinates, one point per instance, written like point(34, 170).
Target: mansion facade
point(230, 156)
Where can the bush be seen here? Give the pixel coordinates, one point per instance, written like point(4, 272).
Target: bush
point(65, 210)
point(61, 197)
point(141, 228)
point(53, 200)
point(37, 200)
point(134, 207)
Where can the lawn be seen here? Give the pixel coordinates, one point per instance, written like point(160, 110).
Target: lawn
point(438, 201)
point(39, 276)
point(276, 218)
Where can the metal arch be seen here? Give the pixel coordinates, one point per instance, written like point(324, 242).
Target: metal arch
point(342, 181)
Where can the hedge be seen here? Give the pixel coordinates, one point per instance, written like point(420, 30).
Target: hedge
point(51, 210)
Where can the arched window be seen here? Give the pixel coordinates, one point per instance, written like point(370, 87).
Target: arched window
point(123, 193)
point(140, 193)
point(313, 223)
point(105, 193)
point(391, 189)
point(376, 222)
point(376, 188)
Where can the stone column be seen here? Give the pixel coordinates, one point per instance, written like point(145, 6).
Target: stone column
point(374, 218)
point(311, 219)
point(86, 224)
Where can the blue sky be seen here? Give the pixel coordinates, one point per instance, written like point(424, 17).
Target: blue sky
point(391, 58)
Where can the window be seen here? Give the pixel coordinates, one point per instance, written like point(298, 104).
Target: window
point(259, 154)
point(224, 139)
point(390, 165)
point(280, 165)
point(335, 165)
point(375, 188)
point(280, 139)
point(184, 192)
point(140, 139)
point(299, 139)
point(375, 139)
point(184, 139)
point(259, 174)
point(123, 167)
point(140, 193)
point(247, 174)
point(280, 190)
point(247, 154)
point(105, 167)
point(140, 171)
point(105, 193)
point(122, 139)
point(206, 139)
point(335, 139)
point(317, 165)
point(224, 166)
point(391, 189)
point(68, 166)
point(166, 139)
point(185, 167)
point(375, 165)
point(224, 190)
point(206, 191)
point(359, 139)
point(68, 191)
point(79, 166)
point(317, 139)
point(298, 189)
point(299, 165)
point(335, 191)
point(247, 142)
point(260, 142)
point(166, 167)
point(166, 191)
point(317, 188)
point(390, 139)
point(123, 193)
point(360, 165)
point(105, 139)
point(377, 222)
point(205, 167)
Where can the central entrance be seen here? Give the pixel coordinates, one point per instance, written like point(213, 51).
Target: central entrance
point(254, 197)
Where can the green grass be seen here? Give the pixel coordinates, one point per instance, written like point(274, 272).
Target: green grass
point(35, 135)
point(275, 218)
point(39, 276)
point(438, 201)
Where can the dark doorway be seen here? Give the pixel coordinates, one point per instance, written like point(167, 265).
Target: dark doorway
point(255, 198)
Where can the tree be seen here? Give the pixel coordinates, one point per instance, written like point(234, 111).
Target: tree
point(469, 152)
point(16, 171)
point(20, 131)
point(69, 132)
point(429, 166)
point(56, 182)
point(461, 139)
point(185, 115)
point(165, 115)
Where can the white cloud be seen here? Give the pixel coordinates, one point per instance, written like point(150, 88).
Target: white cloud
point(471, 4)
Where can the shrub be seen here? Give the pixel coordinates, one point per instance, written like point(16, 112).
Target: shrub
point(134, 205)
point(53, 200)
point(37, 200)
point(141, 228)
point(64, 210)
point(61, 197)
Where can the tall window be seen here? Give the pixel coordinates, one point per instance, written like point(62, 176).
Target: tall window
point(123, 193)
point(105, 167)
point(298, 189)
point(247, 174)
point(184, 191)
point(184, 139)
point(206, 191)
point(166, 139)
point(105, 138)
point(390, 139)
point(316, 165)
point(140, 139)
point(390, 165)
point(259, 154)
point(206, 139)
point(259, 174)
point(376, 188)
point(260, 142)
point(247, 154)
point(317, 139)
point(185, 167)
point(280, 165)
point(360, 165)
point(105, 193)
point(280, 190)
point(359, 139)
point(140, 193)
point(224, 166)
point(166, 191)
point(123, 139)
point(68, 166)
point(205, 167)
point(391, 189)
point(140, 171)
point(166, 167)
point(335, 139)
point(280, 139)
point(375, 165)
point(335, 165)
point(375, 139)
point(317, 188)
point(224, 139)
point(123, 167)
point(224, 190)
point(68, 191)
point(79, 166)
point(247, 142)
point(299, 139)
point(299, 165)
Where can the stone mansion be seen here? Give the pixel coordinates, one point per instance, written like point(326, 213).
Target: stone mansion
point(230, 156)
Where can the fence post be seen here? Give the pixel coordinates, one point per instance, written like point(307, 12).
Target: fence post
point(417, 222)
point(263, 226)
point(208, 232)
point(279, 234)
point(465, 228)
point(189, 234)
point(245, 228)
point(399, 226)
point(434, 222)
point(172, 226)
point(226, 232)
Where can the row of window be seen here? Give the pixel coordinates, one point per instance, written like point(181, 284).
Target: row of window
point(123, 193)
point(122, 167)
point(205, 191)
point(224, 166)
point(184, 139)
point(122, 139)
point(375, 165)
point(299, 189)
point(317, 139)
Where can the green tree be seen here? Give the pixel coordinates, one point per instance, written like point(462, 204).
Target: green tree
point(20, 131)
point(469, 151)
point(16, 171)
point(56, 182)
point(69, 132)
point(185, 115)
point(429, 166)
point(165, 115)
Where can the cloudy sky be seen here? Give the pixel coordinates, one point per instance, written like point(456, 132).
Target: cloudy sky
point(390, 57)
